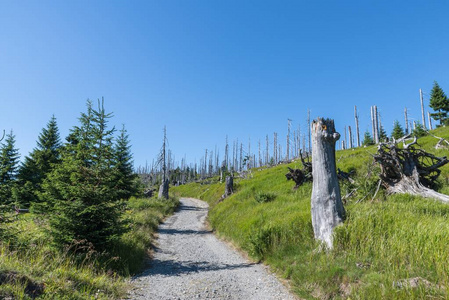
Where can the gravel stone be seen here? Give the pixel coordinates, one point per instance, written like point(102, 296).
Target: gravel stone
point(189, 262)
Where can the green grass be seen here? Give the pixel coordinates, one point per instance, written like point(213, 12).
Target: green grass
point(385, 240)
point(30, 264)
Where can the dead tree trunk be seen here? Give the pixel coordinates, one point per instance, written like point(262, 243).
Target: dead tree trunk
point(229, 188)
point(327, 207)
point(163, 190)
point(409, 170)
point(357, 126)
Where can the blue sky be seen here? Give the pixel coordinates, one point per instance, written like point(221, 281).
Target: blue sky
point(207, 69)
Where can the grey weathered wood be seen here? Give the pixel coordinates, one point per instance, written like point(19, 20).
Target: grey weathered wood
point(357, 126)
point(376, 124)
point(422, 110)
point(327, 207)
point(407, 131)
point(350, 137)
point(229, 188)
point(163, 189)
point(430, 120)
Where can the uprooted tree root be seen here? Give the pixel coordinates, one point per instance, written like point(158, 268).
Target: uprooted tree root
point(409, 170)
point(299, 176)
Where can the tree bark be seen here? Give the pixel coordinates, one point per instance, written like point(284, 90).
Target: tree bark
point(229, 188)
point(327, 207)
point(163, 190)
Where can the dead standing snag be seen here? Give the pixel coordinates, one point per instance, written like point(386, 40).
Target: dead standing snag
point(327, 207)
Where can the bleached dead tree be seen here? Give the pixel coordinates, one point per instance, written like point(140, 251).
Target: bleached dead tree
point(357, 126)
point(422, 110)
point(327, 207)
point(163, 189)
point(350, 137)
point(407, 130)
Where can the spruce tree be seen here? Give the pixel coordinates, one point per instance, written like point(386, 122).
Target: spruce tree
point(383, 137)
point(397, 132)
point(82, 188)
point(126, 179)
point(419, 130)
point(39, 163)
point(367, 139)
point(9, 158)
point(439, 103)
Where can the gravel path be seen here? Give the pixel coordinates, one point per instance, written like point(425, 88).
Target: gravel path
point(191, 263)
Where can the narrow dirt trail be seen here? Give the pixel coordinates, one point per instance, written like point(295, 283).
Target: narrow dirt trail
point(191, 263)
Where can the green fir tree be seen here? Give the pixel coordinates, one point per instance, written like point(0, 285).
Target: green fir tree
point(397, 132)
point(127, 182)
point(39, 163)
point(367, 139)
point(383, 137)
point(9, 159)
point(419, 130)
point(82, 188)
point(439, 103)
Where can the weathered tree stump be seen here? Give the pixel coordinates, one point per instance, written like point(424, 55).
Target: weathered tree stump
point(327, 207)
point(409, 170)
point(163, 189)
point(229, 188)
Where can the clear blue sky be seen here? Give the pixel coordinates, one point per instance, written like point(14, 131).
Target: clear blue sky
point(207, 69)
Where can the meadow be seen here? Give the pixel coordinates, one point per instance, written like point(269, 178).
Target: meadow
point(30, 267)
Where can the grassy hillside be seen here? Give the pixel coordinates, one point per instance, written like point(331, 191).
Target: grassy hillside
point(390, 247)
point(30, 267)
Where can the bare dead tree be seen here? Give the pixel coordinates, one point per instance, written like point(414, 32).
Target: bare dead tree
point(287, 157)
point(275, 145)
point(267, 154)
point(376, 124)
point(422, 110)
point(357, 126)
point(407, 129)
point(430, 120)
point(309, 128)
point(241, 157)
point(350, 137)
point(162, 161)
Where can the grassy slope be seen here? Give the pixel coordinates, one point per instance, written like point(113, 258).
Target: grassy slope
point(383, 241)
point(31, 262)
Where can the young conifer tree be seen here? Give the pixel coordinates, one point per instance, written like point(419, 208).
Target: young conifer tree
point(39, 163)
point(397, 132)
point(9, 159)
point(367, 139)
point(82, 188)
point(126, 180)
point(439, 103)
point(383, 137)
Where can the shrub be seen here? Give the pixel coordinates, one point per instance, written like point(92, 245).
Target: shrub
point(263, 197)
